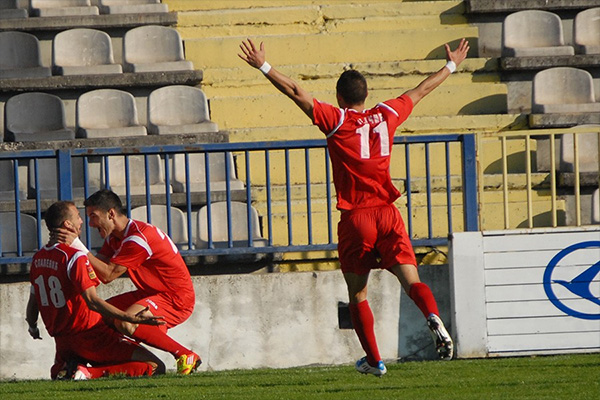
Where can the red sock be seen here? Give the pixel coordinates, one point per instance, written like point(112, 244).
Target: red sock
point(133, 368)
point(363, 322)
point(421, 294)
point(155, 337)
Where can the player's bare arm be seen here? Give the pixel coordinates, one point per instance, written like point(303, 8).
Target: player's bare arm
point(106, 270)
point(433, 81)
point(31, 316)
point(255, 57)
point(97, 304)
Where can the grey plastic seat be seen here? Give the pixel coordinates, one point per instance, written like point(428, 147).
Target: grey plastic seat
point(563, 90)
point(7, 181)
point(107, 113)
point(586, 31)
point(154, 48)
point(9, 9)
point(158, 216)
point(596, 207)
point(131, 6)
point(137, 174)
point(35, 117)
point(533, 33)
point(239, 225)
point(83, 52)
point(20, 56)
point(197, 172)
point(8, 233)
point(587, 148)
point(61, 8)
point(178, 109)
point(47, 182)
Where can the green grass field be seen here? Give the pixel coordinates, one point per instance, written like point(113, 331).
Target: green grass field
point(566, 377)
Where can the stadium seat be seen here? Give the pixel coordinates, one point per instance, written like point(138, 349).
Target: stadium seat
point(35, 117)
point(154, 48)
point(533, 33)
point(197, 172)
point(586, 31)
point(47, 182)
point(83, 52)
point(563, 90)
point(8, 233)
point(21, 56)
point(9, 9)
point(178, 109)
point(7, 181)
point(159, 218)
point(239, 225)
point(131, 6)
point(137, 174)
point(62, 8)
point(596, 207)
point(107, 113)
point(587, 150)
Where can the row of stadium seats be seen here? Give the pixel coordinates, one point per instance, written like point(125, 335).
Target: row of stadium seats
point(83, 51)
point(118, 172)
point(158, 215)
point(540, 33)
point(101, 113)
point(12, 9)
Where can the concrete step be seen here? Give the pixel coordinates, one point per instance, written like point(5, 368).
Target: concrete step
point(223, 52)
point(276, 110)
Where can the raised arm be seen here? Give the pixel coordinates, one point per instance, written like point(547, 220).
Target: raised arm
point(454, 58)
point(256, 58)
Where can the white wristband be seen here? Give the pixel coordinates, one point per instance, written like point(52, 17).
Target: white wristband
point(77, 244)
point(451, 65)
point(265, 68)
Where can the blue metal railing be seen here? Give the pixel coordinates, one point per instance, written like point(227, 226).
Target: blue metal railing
point(290, 185)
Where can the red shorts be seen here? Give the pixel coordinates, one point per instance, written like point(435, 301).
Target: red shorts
point(100, 345)
point(373, 237)
point(159, 304)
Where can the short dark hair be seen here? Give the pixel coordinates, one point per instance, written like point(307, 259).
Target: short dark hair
point(57, 213)
point(105, 199)
point(352, 87)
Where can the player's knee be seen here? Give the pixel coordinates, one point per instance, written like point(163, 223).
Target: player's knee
point(158, 368)
point(126, 328)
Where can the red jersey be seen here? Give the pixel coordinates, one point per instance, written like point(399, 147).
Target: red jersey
point(153, 262)
point(59, 274)
point(360, 144)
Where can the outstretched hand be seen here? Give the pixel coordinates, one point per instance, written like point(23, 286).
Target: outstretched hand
point(459, 54)
point(144, 317)
point(253, 56)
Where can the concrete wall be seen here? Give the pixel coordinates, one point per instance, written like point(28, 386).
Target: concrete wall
point(252, 321)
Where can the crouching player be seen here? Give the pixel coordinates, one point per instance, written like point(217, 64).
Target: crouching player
point(63, 291)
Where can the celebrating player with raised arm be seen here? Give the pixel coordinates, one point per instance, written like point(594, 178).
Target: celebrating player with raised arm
point(371, 232)
point(63, 291)
point(153, 264)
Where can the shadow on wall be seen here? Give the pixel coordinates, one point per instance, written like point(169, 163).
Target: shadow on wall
point(453, 15)
point(440, 51)
point(545, 220)
point(515, 164)
point(492, 104)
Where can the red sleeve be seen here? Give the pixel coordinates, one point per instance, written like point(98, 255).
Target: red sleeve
point(401, 107)
point(106, 251)
point(81, 273)
point(327, 117)
point(133, 252)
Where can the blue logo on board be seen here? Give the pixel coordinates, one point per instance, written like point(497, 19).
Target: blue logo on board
point(579, 285)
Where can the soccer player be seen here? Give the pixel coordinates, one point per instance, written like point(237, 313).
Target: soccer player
point(371, 233)
point(63, 291)
point(154, 265)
